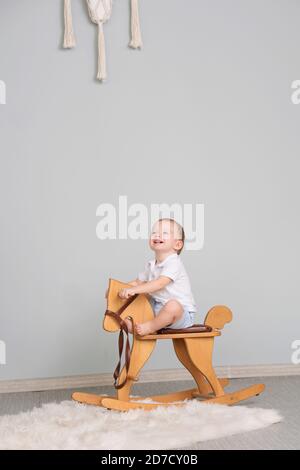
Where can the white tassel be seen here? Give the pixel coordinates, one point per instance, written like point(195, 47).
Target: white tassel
point(101, 75)
point(69, 38)
point(136, 37)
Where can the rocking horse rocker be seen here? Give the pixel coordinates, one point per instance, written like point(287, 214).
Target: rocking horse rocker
point(193, 347)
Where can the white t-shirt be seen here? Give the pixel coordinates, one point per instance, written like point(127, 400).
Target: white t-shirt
point(180, 287)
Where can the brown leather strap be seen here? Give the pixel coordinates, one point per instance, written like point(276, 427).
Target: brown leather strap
point(123, 327)
point(196, 328)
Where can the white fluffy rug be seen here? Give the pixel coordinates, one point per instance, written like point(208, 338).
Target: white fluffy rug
point(70, 425)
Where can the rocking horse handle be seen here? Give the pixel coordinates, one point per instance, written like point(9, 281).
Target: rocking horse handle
point(218, 316)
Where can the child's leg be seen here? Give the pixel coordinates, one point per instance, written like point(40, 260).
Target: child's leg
point(128, 322)
point(170, 313)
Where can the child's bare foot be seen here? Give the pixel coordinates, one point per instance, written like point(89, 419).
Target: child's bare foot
point(144, 329)
point(129, 324)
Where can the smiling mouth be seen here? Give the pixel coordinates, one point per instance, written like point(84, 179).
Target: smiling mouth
point(157, 242)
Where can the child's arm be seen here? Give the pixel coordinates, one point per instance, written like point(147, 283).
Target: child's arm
point(136, 282)
point(145, 287)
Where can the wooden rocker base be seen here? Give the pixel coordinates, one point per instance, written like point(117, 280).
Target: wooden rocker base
point(90, 399)
point(96, 400)
point(227, 399)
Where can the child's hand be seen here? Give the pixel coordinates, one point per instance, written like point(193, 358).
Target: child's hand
point(126, 293)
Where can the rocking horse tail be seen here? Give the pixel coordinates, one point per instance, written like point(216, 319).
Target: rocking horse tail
point(218, 316)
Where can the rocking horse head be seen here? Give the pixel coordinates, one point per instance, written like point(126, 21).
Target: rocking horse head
point(137, 307)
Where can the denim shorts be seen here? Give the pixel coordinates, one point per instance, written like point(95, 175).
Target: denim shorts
point(185, 321)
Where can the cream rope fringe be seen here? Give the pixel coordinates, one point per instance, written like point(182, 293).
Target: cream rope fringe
point(69, 38)
point(101, 75)
point(136, 37)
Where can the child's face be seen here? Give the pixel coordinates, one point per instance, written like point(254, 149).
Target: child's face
point(165, 237)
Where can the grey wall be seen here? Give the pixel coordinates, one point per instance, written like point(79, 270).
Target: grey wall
point(201, 115)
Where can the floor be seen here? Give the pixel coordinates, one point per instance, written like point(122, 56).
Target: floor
point(282, 393)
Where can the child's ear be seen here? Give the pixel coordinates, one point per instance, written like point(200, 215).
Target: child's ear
point(178, 245)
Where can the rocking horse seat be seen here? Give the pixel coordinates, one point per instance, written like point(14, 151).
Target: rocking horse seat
point(197, 328)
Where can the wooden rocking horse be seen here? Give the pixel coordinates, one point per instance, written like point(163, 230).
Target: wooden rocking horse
point(193, 347)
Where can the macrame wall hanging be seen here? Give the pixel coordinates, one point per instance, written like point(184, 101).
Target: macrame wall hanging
point(100, 12)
